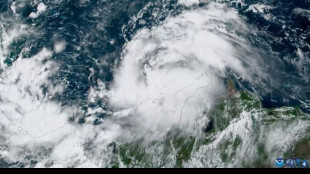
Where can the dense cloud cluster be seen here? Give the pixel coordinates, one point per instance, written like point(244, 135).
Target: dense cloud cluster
point(166, 76)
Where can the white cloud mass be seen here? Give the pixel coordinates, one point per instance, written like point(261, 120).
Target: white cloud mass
point(170, 76)
point(172, 73)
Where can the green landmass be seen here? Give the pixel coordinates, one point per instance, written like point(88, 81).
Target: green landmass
point(177, 148)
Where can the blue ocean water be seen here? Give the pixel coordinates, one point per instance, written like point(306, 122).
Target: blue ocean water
point(75, 22)
point(97, 30)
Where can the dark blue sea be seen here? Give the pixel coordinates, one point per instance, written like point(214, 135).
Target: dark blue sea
point(95, 34)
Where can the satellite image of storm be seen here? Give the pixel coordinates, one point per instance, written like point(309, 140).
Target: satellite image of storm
point(154, 83)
